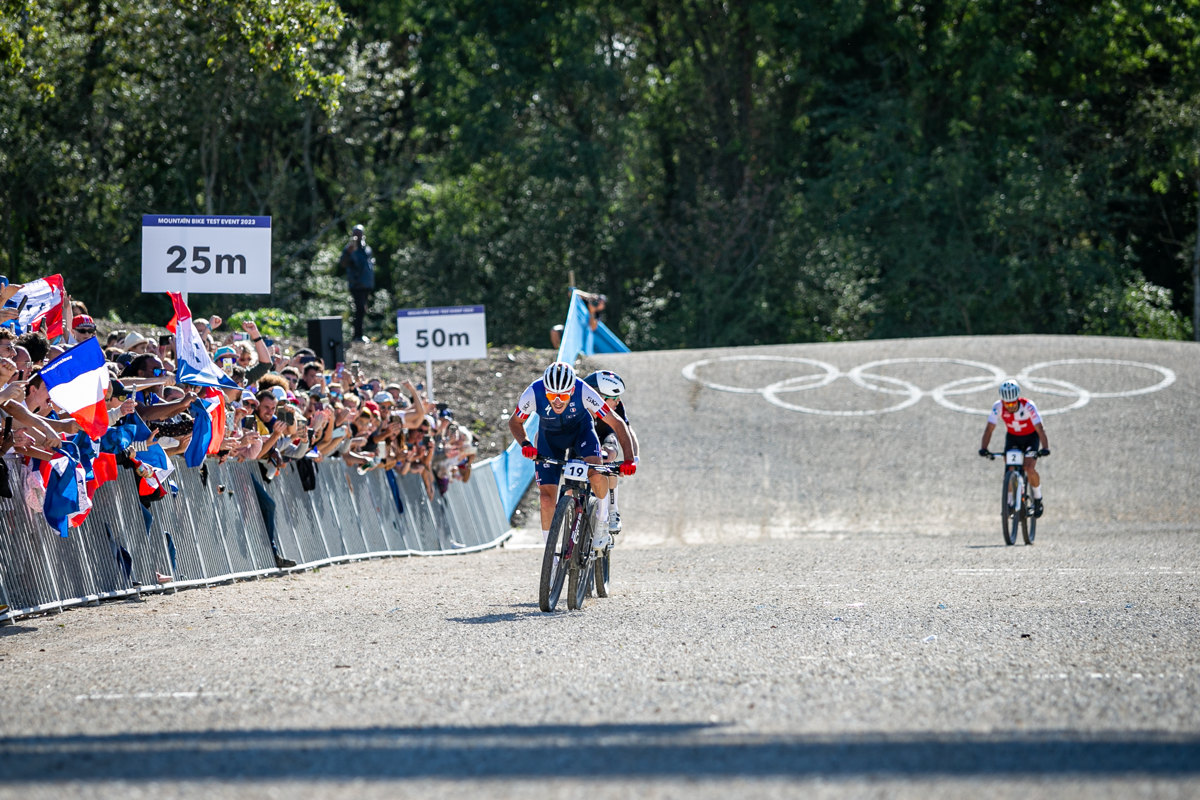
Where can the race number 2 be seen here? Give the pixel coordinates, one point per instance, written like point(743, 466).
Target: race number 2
point(206, 254)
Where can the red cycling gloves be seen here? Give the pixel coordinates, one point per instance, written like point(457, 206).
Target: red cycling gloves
point(528, 450)
point(628, 467)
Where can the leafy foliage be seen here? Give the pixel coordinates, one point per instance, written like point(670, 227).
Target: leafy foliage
point(727, 173)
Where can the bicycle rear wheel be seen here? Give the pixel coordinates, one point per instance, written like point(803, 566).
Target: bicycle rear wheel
point(554, 559)
point(1010, 504)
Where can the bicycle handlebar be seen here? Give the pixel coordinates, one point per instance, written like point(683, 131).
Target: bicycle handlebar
point(1030, 453)
point(611, 468)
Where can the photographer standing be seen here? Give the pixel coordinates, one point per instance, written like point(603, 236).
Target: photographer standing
point(359, 263)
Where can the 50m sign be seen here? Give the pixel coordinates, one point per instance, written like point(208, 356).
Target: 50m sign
point(206, 254)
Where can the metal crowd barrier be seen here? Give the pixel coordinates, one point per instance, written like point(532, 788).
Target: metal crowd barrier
point(225, 523)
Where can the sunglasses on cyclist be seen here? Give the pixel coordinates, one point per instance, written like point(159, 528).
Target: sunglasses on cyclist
point(562, 397)
point(606, 397)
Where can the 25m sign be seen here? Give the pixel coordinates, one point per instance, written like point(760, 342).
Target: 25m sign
point(211, 255)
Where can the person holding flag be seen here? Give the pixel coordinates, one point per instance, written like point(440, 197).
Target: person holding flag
point(77, 382)
point(39, 305)
point(195, 367)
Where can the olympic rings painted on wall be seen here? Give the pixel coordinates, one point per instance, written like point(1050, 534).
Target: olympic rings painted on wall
point(909, 394)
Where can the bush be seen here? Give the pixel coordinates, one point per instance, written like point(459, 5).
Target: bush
point(1140, 309)
point(273, 322)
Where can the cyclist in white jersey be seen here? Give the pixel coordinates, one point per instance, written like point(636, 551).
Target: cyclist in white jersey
point(565, 406)
point(611, 388)
point(1023, 431)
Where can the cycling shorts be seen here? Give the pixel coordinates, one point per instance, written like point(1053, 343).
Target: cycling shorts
point(582, 442)
point(1030, 441)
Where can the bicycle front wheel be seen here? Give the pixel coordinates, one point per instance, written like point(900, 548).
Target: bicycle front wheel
point(603, 572)
point(579, 581)
point(1010, 505)
point(583, 562)
point(554, 556)
point(1029, 526)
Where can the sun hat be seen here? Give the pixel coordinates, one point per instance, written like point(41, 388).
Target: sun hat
point(133, 340)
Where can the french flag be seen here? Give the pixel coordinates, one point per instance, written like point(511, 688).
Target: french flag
point(208, 432)
point(193, 365)
point(98, 469)
point(77, 381)
point(43, 306)
point(66, 489)
point(154, 471)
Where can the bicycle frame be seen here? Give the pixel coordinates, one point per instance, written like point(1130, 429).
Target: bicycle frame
point(576, 482)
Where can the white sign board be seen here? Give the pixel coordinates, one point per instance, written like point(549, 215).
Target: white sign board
point(441, 334)
point(210, 255)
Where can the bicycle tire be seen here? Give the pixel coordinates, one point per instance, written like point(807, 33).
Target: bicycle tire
point(579, 583)
point(1008, 508)
point(603, 572)
point(579, 574)
point(551, 579)
point(1030, 530)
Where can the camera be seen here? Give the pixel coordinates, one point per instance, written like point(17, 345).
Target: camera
point(165, 340)
point(288, 416)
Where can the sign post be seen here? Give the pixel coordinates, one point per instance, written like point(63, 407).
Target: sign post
point(440, 334)
point(213, 255)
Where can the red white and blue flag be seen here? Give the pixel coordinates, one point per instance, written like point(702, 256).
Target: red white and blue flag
point(193, 364)
point(77, 381)
point(43, 309)
point(66, 489)
point(208, 431)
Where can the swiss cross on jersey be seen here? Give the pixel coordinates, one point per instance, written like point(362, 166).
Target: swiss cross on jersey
point(1020, 422)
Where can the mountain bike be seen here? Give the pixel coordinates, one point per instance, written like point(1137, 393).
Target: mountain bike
point(568, 553)
point(1016, 503)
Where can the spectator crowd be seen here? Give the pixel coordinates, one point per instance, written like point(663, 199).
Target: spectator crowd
point(284, 409)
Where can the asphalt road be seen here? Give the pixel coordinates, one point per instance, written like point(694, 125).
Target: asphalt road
point(806, 605)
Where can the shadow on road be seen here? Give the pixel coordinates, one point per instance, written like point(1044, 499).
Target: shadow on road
point(634, 750)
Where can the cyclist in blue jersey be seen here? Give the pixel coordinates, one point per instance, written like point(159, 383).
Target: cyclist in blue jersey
point(565, 406)
point(611, 388)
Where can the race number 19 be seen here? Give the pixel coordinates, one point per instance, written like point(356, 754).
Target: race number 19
point(206, 254)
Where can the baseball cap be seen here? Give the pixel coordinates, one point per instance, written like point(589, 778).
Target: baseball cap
point(83, 322)
point(383, 397)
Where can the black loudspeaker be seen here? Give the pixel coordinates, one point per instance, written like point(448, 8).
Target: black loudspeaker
point(325, 339)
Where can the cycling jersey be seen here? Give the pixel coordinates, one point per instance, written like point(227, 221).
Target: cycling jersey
point(584, 402)
point(572, 429)
point(603, 429)
point(1021, 422)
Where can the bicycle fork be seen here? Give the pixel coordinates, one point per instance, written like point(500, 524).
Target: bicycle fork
point(1017, 502)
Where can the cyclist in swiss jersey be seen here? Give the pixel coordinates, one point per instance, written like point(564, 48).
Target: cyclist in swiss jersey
point(565, 406)
point(1023, 431)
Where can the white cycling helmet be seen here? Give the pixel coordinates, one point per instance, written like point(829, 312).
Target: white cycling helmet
point(559, 377)
point(1010, 391)
point(607, 383)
